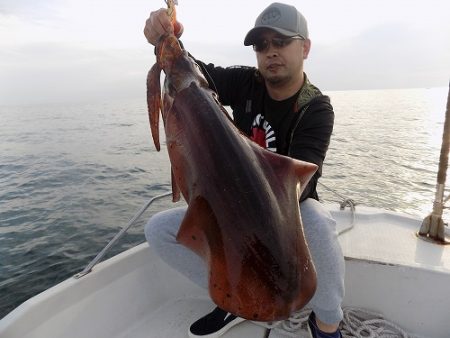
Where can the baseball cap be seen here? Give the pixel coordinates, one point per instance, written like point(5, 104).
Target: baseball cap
point(282, 18)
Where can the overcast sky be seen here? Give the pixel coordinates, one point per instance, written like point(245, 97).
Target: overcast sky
point(82, 50)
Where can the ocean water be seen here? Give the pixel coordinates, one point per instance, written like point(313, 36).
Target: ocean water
point(72, 175)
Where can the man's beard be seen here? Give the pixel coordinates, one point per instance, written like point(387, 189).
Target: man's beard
point(277, 80)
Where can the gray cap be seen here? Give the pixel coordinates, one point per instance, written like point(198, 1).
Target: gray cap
point(282, 18)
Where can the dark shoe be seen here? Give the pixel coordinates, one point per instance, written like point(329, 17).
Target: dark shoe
point(315, 331)
point(214, 324)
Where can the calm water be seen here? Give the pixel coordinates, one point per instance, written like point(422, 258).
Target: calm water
point(72, 175)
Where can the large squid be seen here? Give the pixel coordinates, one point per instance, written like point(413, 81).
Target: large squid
point(243, 214)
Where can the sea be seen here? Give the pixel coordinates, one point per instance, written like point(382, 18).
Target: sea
point(72, 175)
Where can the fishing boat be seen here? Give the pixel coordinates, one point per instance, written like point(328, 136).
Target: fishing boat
point(396, 281)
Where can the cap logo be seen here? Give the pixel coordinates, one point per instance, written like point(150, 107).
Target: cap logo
point(271, 16)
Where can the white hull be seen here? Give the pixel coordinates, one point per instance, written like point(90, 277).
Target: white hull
point(134, 294)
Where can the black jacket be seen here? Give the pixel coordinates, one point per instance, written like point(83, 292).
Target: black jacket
point(305, 134)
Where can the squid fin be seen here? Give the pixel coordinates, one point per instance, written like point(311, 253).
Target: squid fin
point(199, 230)
point(303, 171)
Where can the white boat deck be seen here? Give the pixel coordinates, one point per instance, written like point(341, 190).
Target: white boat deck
point(391, 271)
point(174, 318)
point(390, 238)
point(136, 295)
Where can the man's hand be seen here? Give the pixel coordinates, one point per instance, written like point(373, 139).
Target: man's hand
point(159, 24)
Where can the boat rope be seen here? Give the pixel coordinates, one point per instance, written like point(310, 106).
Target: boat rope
point(367, 324)
point(357, 323)
point(119, 235)
point(345, 201)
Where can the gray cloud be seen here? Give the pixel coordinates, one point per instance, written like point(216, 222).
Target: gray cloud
point(56, 73)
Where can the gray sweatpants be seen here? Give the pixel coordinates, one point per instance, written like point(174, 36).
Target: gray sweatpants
point(320, 234)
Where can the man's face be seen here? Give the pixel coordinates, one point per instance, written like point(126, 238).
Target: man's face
point(281, 60)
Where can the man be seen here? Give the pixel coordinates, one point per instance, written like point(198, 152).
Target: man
point(281, 110)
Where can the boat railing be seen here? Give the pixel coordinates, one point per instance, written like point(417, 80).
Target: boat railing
point(119, 235)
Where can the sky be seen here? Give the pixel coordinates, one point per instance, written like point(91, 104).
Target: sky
point(90, 50)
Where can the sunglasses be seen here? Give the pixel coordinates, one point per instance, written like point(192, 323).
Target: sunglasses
point(263, 45)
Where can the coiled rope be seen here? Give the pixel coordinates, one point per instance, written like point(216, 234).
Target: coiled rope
point(357, 323)
point(367, 324)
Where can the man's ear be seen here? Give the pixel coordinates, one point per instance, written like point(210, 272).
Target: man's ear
point(306, 48)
